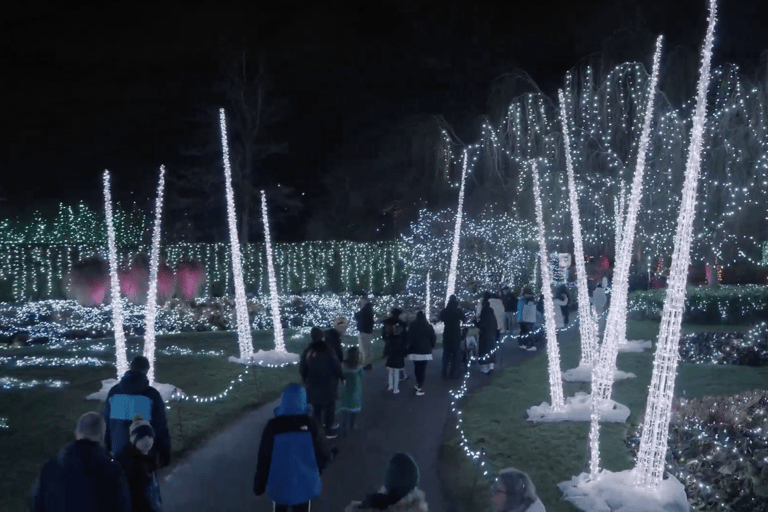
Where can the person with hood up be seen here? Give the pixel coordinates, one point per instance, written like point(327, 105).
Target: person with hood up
point(364, 319)
point(141, 467)
point(421, 341)
point(292, 455)
point(452, 317)
point(560, 301)
point(321, 373)
point(82, 477)
point(333, 336)
point(395, 348)
point(599, 298)
point(526, 316)
point(514, 491)
point(130, 396)
point(487, 338)
point(400, 492)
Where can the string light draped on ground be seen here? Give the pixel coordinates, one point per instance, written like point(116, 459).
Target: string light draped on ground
point(653, 443)
point(553, 349)
point(278, 323)
point(586, 325)
point(151, 308)
point(457, 233)
point(243, 323)
point(121, 357)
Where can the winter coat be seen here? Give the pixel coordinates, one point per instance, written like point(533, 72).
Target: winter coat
point(510, 302)
point(498, 310)
point(320, 371)
point(488, 326)
point(352, 392)
point(560, 303)
point(395, 342)
point(421, 338)
point(132, 395)
point(292, 455)
point(414, 501)
point(452, 317)
point(81, 478)
point(142, 479)
point(333, 338)
point(521, 309)
point(599, 298)
point(364, 319)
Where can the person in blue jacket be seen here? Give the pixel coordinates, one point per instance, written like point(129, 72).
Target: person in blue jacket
point(292, 455)
point(133, 395)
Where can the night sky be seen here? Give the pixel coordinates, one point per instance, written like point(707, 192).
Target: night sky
point(113, 86)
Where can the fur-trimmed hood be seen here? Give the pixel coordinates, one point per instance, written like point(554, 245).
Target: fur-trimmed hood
point(414, 501)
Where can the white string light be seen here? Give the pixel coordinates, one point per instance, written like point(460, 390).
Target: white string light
point(151, 307)
point(586, 327)
point(649, 467)
point(243, 322)
point(277, 321)
point(553, 349)
point(121, 357)
point(429, 296)
point(457, 233)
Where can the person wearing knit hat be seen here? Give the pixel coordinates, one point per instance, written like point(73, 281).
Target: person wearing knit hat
point(514, 491)
point(141, 465)
point(400, 492)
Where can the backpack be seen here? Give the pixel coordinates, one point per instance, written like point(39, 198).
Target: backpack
point(529, 312)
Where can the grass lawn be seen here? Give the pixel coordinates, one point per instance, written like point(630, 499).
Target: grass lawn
point(494, 419)
point(42, 419)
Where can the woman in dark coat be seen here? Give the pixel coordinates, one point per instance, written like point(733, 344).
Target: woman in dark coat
point(421, 341)
point(452, 317)
point(395, 347)
point(320, 371)
point(487, 339)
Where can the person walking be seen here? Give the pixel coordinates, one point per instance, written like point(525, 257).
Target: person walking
point(130, 396)
point(141, 467)
point(599, 298)
point(526, 315)
point(400, 492)
point(82, 477)
point(364, 319)
point(320, 372)
point(510, 308)
point(487, 338)
point(352, 394)
point(452, 317)
point(421, 341)
point(333, 336)
point(292, 455)
point(498, 310)
point(560, 302)
point(395, 348)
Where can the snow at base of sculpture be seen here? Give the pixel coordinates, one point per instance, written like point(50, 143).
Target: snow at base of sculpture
point(268, 358)
point(583, 373)
point(169, 392)
point(616, 492)
point(577, 408)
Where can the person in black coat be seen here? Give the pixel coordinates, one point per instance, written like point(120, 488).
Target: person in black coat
point(82, 477)
point(487, 338)
point(452, 317)
point(364, 319)
point(421, 341)
point(395, 347)
point(321, 373)
point(141, 467)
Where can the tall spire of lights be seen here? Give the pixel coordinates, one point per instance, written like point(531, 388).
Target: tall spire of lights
point(117, 305)
point(241, 306)
point(651, 457)
point(457, 233)
point(151, 307)
point(429, 296)
point(553, 350)
point(587, 327)
point(276, 319)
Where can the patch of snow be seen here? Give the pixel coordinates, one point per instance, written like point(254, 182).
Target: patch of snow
point(583, 373)
point(616, 492)
point(268, 358)
point(167, 391)
point(635, 345)
point(578, 408)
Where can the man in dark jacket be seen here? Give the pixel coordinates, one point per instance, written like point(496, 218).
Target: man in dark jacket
point(82, 477)
point(421, 340)
point(510, 307)
point(133, 395)
point(320, 371)
point(364, 319)
point(292, 455)
point(452, 317)
point(487, 338)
